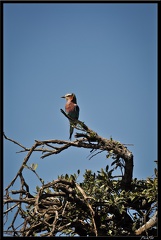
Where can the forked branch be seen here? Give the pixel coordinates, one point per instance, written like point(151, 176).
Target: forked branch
point(90, 140)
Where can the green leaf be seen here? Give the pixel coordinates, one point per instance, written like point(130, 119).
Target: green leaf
point(72, 177)
point(34, 166)
point(114, 162)
point(107, 167)
point(66, 176)
point(37, 188)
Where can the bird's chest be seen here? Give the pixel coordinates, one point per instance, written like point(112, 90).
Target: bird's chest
point(70, 107)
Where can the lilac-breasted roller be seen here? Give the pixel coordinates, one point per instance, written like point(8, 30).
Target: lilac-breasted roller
point(71, 109)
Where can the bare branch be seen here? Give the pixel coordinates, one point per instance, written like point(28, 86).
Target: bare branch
point(101, 144)
point(152, 222)
point(90, 207)
point(26, 149)
point(23, 165)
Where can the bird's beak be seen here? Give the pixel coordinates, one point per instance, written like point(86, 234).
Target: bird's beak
point(63, 97)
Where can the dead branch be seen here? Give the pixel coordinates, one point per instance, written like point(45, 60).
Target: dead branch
point(152, 222)
point(90, 140)
point(45, 209)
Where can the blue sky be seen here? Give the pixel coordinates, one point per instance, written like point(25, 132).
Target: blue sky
point(107, 55)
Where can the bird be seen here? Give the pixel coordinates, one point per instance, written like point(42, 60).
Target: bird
point(71, 109)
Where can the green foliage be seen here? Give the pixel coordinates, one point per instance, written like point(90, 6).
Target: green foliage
point(98, 206)
point(118, 212)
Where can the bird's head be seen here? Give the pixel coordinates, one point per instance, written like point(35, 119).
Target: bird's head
point(70, 96)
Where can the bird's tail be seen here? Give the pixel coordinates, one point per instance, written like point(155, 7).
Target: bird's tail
point(71, 131)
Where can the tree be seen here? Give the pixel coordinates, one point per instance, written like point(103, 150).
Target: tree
point(102, 205)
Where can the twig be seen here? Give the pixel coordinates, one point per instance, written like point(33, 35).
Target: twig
point(89, 206)
point(23, 164)
point(96, 154)
point(54, 223)
point(11, 208)
point(26, 149)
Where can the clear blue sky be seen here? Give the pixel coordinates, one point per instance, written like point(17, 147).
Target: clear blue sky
point(107, 55)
